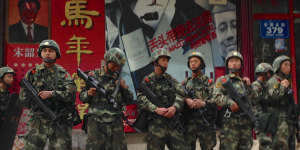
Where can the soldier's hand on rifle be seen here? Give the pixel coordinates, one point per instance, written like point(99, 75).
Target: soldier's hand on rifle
point(45, 94)
point(91, 73)
point(123, 84)
point(285, 83)
point(247, 81)
point(198, 103)
point(91, 92)
point(161, 111)
point(234, 107)
point(190, 103)
point(171, 112)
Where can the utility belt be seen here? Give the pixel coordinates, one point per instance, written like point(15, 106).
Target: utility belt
point(173, 123)
point(104, 106)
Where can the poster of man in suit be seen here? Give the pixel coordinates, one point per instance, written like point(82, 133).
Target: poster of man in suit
point(28, 21)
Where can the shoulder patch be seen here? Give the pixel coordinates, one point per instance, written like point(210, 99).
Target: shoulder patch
point(218, 84)
point(210, 81)
point(33, 71)
point(66, 75)
point(276, 86)
point(147, 80)
point(224, 80)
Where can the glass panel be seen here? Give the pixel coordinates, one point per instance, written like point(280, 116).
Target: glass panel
point(267, 49)
point(270, 6)
point(296, 6)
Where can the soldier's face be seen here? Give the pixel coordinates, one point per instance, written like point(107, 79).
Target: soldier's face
point(286, 67)
point(48, 53)
point(226, 30)
point(113, 67)
point(269, 75)
point(163, 61)
point(28, 12)
point(8, 78)
point(194, 63)
point(234, 63)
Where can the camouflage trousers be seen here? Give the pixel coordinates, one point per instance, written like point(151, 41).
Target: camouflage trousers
point(206, 135)
point(236, 134)
point(43, 130)
point(161, 135)
point(105, 136)
point(265, 141)
point(285, 132)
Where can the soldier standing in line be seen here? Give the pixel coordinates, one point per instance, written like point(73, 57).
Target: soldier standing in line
point(236, 133)
point(57, 90)
point(280, 99)
point(105, 128)
point(164, 126)
point(200, 113)
point(263, 73)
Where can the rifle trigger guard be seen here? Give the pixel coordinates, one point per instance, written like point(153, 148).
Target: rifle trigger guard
point(227, 113)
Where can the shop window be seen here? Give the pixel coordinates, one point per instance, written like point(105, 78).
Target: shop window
point(271, 6)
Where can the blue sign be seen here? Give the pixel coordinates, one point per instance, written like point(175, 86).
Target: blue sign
point(274, 29)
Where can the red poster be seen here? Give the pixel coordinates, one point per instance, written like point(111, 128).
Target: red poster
point(77, 26)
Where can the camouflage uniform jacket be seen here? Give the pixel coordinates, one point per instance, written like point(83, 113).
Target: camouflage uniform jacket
point(199, 87)
point(166, 88)
point(258, 95)
point(278, 100)
point(4, 100)
point(219, 94)
point(55, 79)
point(99, 105)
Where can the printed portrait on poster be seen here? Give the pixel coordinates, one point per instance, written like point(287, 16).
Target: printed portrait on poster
point(28, 21)
point(140, 27)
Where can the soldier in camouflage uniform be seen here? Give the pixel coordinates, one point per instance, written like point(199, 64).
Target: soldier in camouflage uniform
point(6, 80)
point(279, 100)
point(199, 120)
point(263, 72)
point(236, 133)
point(104, 120)
point(163, 126)
point(57, 90)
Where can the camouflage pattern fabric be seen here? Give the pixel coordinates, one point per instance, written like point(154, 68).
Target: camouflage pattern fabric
point(279, 103)
point(197, 125)
point(104, 126)
point(259, 94)
point(5, 70)
point(160, 129)
point(236, 133)
point(58, 80)
point(4, 100)
point(51, 44)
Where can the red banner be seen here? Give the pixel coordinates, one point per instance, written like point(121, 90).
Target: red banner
point(78, 28)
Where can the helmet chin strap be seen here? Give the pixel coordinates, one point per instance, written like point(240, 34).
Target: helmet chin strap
point(234, 70)
point(197, 70)
point(47, 60)
point(284, 75)
point(108, 70)
point(163, 69)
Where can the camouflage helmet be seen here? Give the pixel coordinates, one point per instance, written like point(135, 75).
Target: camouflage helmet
point(263, 68)
point(5, 70)
point(115, 55)
point(160, 53)
point(233, 54)
point(278, 61)
point(50, 44)
point(196, 54)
